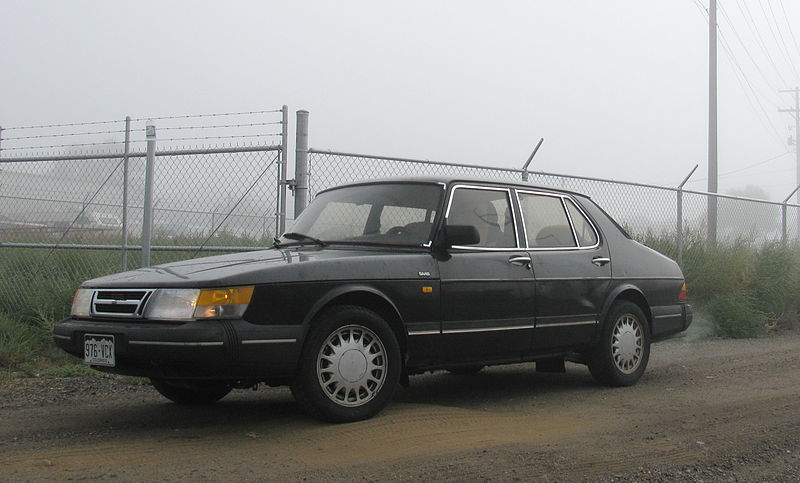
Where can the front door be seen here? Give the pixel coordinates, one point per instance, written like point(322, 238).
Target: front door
point(484, 287)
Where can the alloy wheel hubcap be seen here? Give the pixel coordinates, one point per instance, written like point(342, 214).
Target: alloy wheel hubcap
point(351, 366)
point(627, 343)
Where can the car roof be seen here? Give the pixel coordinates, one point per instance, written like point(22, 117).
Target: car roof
point(449, 180)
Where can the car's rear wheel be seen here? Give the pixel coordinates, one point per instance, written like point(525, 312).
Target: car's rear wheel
point(621, 355)
point(350, 365)
point(191, 392)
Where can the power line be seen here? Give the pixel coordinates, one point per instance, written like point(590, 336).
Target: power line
point(746, 50)
point(789, 25)
point(737, 66)
point(785, 50)
point(760, 39)
point(750, 166)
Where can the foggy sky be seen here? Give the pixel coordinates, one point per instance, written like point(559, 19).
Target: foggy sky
point(618, 89)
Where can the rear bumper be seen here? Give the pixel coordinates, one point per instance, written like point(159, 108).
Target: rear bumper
point(669, 320)
point(227, 349)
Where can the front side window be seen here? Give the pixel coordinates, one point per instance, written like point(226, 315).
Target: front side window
point(489, 211)
point(387, 213)
point(546, 222)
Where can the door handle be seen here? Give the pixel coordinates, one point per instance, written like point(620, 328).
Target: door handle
point(600, 261)
point(520, 261)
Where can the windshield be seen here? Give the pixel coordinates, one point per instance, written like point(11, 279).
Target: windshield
point(388, 213)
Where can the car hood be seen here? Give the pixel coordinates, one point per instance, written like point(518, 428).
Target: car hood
point(302, 264)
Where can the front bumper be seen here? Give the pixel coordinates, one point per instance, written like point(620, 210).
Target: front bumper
point(225, 349)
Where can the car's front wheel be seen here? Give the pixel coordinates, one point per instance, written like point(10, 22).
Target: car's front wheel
point(191, 392)
point(621, 355)
point(350, 365)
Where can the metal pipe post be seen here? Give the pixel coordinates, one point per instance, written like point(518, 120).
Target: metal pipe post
point(124, 262)
point(530, 158)
point(147, 219)
point(784, 209)
point(301, 163)
point(280, 220)
point(679, 227)
point(1, 141)
point(783, 224)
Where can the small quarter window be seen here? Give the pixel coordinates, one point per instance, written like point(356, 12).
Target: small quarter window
point(586, 234)
point(546, 222)
point(487, 210)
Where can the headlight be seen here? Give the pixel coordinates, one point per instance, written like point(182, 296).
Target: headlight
point(82, 303)
point(188, 304)
point(172, 304)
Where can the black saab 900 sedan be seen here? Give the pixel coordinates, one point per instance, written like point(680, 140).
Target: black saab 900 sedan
point(381, 280)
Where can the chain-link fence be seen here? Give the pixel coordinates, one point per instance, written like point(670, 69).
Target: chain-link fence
point(75, 210)
point(650, 213)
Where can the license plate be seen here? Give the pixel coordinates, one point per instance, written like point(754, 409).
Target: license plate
point(98, 349)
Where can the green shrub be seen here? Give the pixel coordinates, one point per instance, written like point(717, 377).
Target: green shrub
point(736, 316)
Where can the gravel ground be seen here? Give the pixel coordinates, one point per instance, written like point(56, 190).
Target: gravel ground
point(712, 411)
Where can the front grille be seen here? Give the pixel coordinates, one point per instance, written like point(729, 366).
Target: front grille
point(119, 303)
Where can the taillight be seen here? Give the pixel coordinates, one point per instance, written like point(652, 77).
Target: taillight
point(684, 293)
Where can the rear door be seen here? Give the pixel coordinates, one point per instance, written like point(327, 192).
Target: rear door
point(571, 265)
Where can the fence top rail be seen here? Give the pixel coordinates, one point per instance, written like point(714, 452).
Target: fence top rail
point(171, 152)
point(544, 173)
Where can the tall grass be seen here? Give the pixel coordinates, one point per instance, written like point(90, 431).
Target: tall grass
point(743, 286)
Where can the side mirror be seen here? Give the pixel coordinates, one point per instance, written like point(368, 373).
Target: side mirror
point(461, 235)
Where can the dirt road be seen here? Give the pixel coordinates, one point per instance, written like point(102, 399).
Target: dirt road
point(715, 410)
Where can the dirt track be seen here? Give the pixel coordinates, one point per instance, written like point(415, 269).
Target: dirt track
point(717, 410)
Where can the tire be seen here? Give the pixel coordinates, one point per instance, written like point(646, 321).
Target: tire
point(466, 370)
point(350, 366)
point(191, 393)
point(621, 355)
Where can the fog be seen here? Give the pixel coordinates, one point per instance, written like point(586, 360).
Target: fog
point(618, 89)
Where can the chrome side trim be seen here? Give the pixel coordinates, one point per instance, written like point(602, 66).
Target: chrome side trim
point(487, 329)
point(574, 279)
point(62, 337)
point(423, 332)
point(668, 316)
point(269, 341)
point(565, 324)
point(179, 344)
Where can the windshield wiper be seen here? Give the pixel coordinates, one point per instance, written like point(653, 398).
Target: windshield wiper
point(301, 237)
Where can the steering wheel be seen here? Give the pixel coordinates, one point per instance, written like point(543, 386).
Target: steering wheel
point(396, 231)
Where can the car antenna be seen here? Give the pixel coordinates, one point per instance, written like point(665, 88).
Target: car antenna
point(530, 158)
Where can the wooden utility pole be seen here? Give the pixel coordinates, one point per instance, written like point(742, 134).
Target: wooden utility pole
point(712, 121)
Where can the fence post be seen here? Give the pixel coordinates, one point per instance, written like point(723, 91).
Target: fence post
point(1, 141)
point(147, 219)
point(124, 262)
point(280, 220)
point(784, 235)
point(679, 227)
point(301, 163)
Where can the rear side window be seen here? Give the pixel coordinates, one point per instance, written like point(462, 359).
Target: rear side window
point(546, 222)
point(583, 229)
point(487, 210)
